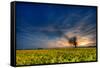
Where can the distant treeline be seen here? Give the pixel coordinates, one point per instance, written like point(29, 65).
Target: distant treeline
point(56, 48)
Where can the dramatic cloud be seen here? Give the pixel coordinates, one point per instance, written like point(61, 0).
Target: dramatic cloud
point(53, 26)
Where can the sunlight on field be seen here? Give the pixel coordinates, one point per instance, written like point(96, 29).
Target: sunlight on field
point(61, 55)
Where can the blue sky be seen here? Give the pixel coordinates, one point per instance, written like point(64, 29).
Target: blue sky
point(44, 26)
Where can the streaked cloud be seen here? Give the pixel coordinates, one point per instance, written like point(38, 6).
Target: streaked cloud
point(49, 29)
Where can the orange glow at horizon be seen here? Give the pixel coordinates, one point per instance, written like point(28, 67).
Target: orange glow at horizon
point(62, 42)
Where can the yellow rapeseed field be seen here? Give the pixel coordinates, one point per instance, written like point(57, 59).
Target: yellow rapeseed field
point(60, 55)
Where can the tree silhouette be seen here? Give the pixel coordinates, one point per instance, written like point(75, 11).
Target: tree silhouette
point(72, 40)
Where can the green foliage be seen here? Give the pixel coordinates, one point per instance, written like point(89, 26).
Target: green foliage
point(61, 55)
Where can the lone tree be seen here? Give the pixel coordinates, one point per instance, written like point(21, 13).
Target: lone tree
point(73, 41)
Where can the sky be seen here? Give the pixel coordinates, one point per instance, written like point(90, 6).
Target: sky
point(47, 26)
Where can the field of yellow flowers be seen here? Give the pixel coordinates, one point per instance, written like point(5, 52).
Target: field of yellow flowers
point(60, 55)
